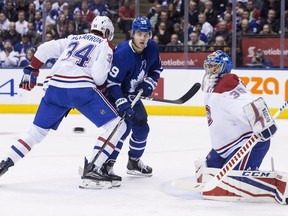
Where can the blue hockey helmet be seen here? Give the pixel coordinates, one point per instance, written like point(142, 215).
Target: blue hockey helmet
point(216, 65)
point(141, 24)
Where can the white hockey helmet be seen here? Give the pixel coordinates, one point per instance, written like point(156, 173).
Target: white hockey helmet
point(104, 25)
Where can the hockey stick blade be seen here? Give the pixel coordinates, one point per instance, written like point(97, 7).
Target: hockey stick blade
point(194, 89)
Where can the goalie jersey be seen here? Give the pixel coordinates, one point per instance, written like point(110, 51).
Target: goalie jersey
point(229, 128)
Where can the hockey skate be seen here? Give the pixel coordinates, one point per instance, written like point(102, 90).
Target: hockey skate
point(137, 168)
point(107, 169)
point(4, 165)
point(95, 178)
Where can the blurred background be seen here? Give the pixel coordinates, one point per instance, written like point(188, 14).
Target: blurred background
point(253, 32)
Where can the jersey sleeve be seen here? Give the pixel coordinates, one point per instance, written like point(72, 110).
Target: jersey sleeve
point(101, 67)
point(50, 49)
point(117, 74)
point(156, 68)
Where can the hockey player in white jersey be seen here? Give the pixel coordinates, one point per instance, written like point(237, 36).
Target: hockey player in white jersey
point(234, 114)
point(83, 64)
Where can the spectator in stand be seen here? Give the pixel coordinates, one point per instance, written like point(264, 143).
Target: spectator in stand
point(39, 4)
point(271, 20)
point(81, 26)
point(50, 29)
point(31, 12)
point(259, 60)
point(51, 14)
point(126, 16)
point(12, 34)
point(179, 31)
point(193, 13)
point(4, 22)
point(71, 28)
point(1, 40)
point(61, 25)
point(224, 32)
point(174, 45)
point(35, 38)
point(221, 6)
point(254, 13)
point(202, 36)
point(195, 44)
point(267, 31)
point(8, 57)
point(254, 25)
point(200, 5)
point(38, 22)
point(21, 5)
point(207, 28)
point(98, 8)
point(23, 45)
point(154, 14)
point(59, 5)
point(21, 24)
point(25, 60)
point(168, 23)
point(228, 9)
point(211, 14)
point(219, 44)
point(173, 14)
point(87, 15)
point(163, 35)
point(10, 11)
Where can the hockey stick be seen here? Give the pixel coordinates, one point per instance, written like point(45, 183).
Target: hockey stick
point(238, 156)
point(194, 89)
point(90, 165)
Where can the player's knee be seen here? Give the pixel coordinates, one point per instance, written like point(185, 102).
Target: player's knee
point(35, 134)
point(141, 131)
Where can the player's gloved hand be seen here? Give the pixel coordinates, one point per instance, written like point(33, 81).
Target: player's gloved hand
point(123, 107)
point(29, 78)
point(148, 85)
point(268, 132)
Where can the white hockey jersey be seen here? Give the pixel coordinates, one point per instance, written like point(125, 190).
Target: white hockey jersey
point(83, 60)
point(228, 125)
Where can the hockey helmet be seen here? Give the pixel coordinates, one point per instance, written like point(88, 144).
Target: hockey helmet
point(104, 25)
point(141, 24)
point(216, 65)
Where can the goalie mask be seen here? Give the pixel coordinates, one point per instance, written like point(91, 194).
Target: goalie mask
point(103, 24)
point(216, 65)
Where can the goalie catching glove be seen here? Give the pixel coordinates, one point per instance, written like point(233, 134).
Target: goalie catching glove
point(29, 78)
point(260, 119)
point(148, 85)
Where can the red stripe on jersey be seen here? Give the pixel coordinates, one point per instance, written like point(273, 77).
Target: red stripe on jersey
point(109, 143)
point(72, 77)
point(24, 144)
point(36, 63)
point(227, 83)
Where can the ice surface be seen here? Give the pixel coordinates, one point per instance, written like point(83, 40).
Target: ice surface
point(46, 181)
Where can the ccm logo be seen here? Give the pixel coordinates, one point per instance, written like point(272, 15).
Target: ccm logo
point(255, 174)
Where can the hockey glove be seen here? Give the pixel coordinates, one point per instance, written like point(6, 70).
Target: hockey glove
point(29, 78)
point(123, 107)
point(268, 132)
point(148, 85)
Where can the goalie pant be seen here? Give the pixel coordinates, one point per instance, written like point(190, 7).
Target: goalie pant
point(243, 185)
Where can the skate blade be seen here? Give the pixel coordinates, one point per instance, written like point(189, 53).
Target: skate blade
point(98, 185)
point(137, 173)
point(116, 183)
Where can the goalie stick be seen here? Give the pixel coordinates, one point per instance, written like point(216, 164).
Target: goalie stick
point(90, 165)
point(192, 91)
point(238, 156)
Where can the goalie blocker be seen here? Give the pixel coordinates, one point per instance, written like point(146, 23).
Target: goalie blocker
point(245, 185)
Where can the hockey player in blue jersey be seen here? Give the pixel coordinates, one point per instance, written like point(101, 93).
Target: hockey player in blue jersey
point(136, 65)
